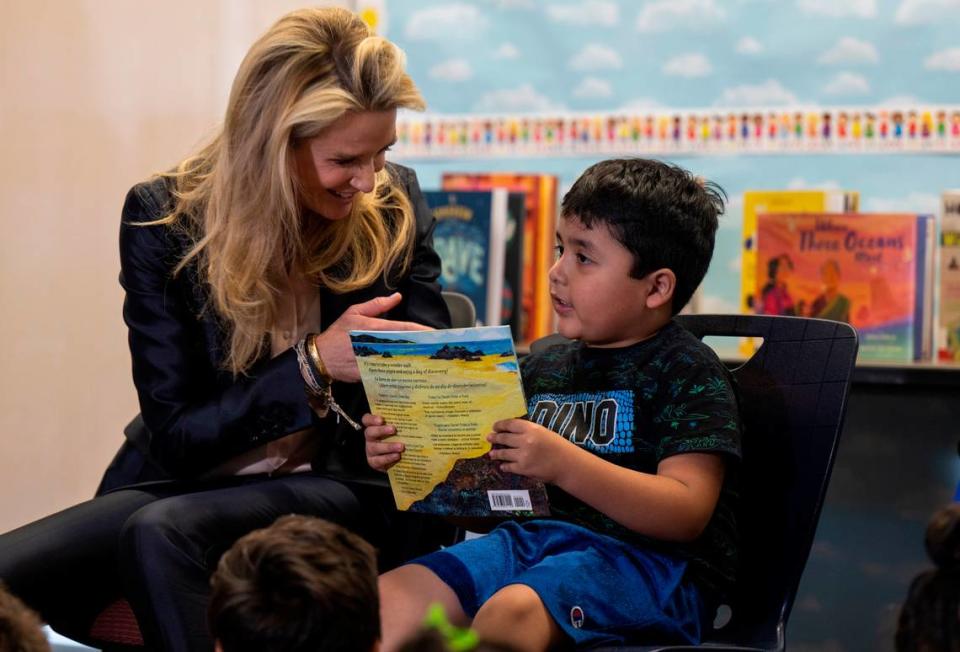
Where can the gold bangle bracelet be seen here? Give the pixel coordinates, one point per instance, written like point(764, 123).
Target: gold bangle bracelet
point(314, 352)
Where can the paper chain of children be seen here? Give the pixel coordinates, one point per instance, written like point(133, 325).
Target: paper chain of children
point(808, 130)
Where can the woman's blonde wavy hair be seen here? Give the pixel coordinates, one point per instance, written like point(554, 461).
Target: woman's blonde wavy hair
point(238, 198)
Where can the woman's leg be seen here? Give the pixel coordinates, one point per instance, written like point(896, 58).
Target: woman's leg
point(169, 548)
point(65, 565)
point(405, 594)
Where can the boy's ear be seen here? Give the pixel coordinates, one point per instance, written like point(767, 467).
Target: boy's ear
point(662, 284)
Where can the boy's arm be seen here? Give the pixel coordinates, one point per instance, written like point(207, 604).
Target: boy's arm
point(675, 504)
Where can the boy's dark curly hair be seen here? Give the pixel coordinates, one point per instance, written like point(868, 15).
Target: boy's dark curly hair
point(662, 214)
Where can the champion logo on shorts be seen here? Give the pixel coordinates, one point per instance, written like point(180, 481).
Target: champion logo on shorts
point(576, 617)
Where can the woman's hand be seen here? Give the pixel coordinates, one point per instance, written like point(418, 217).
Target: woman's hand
point(334, 345)
point(531, 450)
point(381, 455)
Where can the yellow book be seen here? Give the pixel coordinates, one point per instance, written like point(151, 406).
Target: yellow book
point(443, 390)
point(756, 202)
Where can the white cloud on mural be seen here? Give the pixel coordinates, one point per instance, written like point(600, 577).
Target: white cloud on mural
point(688, 65)
point(850, 51)
point(840, 8)
point(595, 57)
point(925, 12)
point(663, 15)
point(800, 183)
point(453, 70)
point(732, 218)
point(453, 21)
point(716, 305)
point(641, 104)
point(899, 101)
point(948, 60)
point(847, 83)
point(591, 12)
point(593, 87)
point(523, 98)
point(914, 202)
point(514, 4)
point(506, 51)
point(749, 45)
point(769, 93)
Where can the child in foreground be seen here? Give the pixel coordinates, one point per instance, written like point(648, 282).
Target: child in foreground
point(20, 628)
point(641, 543)
point(930, 617)
point(301, 584)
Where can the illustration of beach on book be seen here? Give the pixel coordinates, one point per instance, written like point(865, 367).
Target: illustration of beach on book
point(443, 390)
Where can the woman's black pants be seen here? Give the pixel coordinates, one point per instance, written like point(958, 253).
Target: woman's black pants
point(157, 545)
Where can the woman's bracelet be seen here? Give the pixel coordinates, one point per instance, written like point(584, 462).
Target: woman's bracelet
point(311, 345)
point(318, 380)
point(307, 370)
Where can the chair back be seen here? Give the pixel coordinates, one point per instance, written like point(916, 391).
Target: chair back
point(793, 393)
point(462, 312)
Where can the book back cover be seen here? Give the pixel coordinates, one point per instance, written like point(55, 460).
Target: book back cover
point(443, 390)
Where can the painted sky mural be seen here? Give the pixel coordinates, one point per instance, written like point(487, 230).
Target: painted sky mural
point(532, 57)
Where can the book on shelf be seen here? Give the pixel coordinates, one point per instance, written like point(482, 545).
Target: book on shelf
point(443, 390)
point(779, 201)
point(513, 264)
point(470, 238)
point(539, 236)
point(948, 289)
point(871, 270)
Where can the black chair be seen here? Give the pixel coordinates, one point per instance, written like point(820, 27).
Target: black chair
point(793, 393)
point(463, 314)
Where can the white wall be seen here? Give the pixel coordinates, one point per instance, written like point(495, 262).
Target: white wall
point(94, 96)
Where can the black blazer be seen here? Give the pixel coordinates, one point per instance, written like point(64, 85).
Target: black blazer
point(194, 415)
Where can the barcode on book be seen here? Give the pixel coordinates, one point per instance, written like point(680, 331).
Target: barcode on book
point(509, 500)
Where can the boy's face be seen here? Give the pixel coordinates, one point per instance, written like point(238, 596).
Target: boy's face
point(594, 296)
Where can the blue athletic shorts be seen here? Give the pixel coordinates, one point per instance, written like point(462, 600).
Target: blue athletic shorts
point(598, 589)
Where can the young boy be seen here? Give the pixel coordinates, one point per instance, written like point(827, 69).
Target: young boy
point(301, 584)
point(640, 545)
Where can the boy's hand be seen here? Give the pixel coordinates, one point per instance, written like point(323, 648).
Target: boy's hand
point(381, 455)
point(530, 449)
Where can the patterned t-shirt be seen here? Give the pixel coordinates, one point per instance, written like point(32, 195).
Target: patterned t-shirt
point(635, 406)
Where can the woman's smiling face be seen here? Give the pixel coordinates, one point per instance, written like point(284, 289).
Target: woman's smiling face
point(341, 162)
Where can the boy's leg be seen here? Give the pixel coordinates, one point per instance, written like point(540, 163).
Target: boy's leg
point(516, 617)
point(405, 594)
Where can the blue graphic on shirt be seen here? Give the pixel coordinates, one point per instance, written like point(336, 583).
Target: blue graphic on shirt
point(599, 421)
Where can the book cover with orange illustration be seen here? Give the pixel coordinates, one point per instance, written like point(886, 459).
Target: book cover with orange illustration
point(756, 202)
point(873, 271)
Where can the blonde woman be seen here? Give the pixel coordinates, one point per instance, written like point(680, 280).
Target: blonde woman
point(244, 269)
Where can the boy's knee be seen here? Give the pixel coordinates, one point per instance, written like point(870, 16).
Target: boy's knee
point(516, 605)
